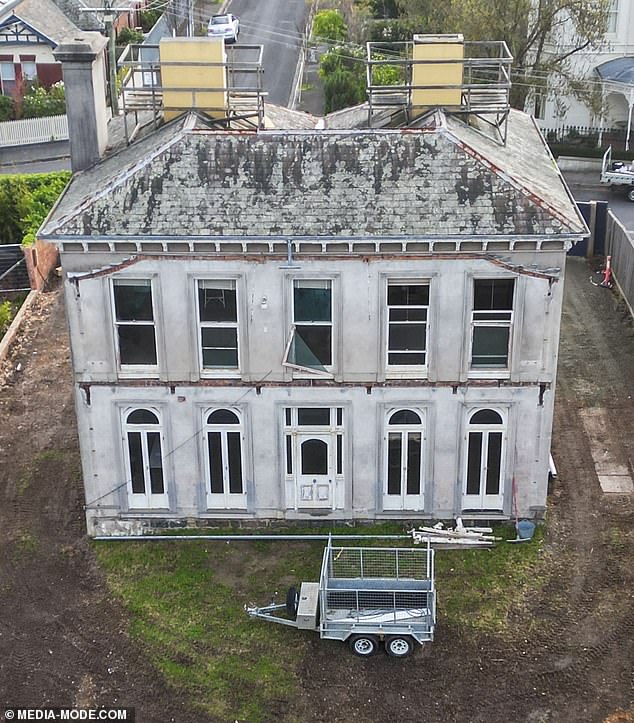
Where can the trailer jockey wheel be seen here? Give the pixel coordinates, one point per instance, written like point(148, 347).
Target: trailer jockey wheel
point(364, 645)
point(292, 601)
point(399, 646)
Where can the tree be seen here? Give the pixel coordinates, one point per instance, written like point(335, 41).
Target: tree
point(343, 73)
point(543, 35)
point(329, 25)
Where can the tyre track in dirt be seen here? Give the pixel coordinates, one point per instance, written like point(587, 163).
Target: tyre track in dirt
point(63, 641)
point(576, 664)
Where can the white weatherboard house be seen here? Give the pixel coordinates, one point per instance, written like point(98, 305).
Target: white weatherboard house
point(300, 324)
point(609, 67)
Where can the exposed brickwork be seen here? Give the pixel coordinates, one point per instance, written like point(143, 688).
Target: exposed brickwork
point(41, 261)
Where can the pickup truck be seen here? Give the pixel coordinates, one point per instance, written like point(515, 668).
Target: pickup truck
point(618, 173)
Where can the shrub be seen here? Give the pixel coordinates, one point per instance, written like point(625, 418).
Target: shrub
point(343, 71)
point(6, 108)
point(148, 19)
point(39, 102)
point(330, 25)
point(25, 201)
point(342, 89)
point(6, 316)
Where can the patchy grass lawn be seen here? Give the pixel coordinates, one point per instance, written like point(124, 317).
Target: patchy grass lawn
point(186, 600)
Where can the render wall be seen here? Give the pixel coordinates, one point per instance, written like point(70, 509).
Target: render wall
point(270, 495)
point(445, 397)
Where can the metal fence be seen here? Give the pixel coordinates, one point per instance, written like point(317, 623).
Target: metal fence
point(14, 276)
point(620, 247)
point(587, 136)
point(34, 130)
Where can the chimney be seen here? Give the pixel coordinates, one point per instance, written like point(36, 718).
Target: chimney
point(193, 76)
point(83, 66)
point(429, 71)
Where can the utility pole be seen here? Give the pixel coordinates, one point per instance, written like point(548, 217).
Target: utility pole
point(109, 18)
point(109, 14)
point(190, 18)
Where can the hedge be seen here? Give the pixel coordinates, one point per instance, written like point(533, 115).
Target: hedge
point(25, 200)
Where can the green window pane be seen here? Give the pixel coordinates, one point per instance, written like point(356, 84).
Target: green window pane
point(220, 347)
point(312, 304)
point(217, 304)
point(490, 346)
point(394, 443)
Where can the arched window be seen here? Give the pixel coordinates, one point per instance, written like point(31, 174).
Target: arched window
point(484, 460)
point(404, 460)
point(144, 459)
point(223, 454)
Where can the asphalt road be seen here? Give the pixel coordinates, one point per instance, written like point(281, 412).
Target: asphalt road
point(586, 187)
point(277, 25)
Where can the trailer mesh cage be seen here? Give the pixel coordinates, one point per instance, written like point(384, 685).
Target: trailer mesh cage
point(390, 563)
point(377, 582)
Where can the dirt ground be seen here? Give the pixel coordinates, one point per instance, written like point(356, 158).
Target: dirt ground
point(64, 641)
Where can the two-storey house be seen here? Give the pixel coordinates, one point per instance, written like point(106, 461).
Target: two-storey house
point(300, 323)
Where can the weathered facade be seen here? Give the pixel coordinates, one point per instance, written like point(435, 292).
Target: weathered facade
point(350, 325)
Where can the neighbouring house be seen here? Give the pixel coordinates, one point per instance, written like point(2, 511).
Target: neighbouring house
point(30, 30)
point(610, 67)
point(275, 317)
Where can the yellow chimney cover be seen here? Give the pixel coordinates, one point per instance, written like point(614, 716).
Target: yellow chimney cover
point(197, 80)
point(434, 76)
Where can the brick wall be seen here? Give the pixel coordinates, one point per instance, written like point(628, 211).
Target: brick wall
point(41, 261)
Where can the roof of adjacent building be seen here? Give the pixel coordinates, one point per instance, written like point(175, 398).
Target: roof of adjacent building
point(53, 19)
point(442, 179)
point(618, 70)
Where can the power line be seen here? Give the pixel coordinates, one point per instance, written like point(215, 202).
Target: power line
point(184, 442)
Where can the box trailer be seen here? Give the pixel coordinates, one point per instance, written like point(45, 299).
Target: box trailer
point(367, 597)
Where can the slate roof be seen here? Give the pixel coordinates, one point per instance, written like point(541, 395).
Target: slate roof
point(445, 180)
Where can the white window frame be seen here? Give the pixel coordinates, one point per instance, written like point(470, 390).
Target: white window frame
point(226, 499)
point(483, 318)
point(134, 370)
point(613, 18)
point(319, 282)
point(404, 501)
point(9, 77)
point(485, 501)
point(26, 73)
point(146, 500)
point(229, 283)
point(396, 370)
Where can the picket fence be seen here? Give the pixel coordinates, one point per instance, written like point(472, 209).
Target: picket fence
point(34, 130)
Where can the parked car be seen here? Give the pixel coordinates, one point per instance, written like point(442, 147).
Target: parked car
point(225, 26)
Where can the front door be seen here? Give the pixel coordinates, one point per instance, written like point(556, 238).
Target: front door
point(314, 471)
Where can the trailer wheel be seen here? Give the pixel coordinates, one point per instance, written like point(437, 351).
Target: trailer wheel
point(364, 645)
point(292, 601)
point(630, 193)
point(399, 646)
